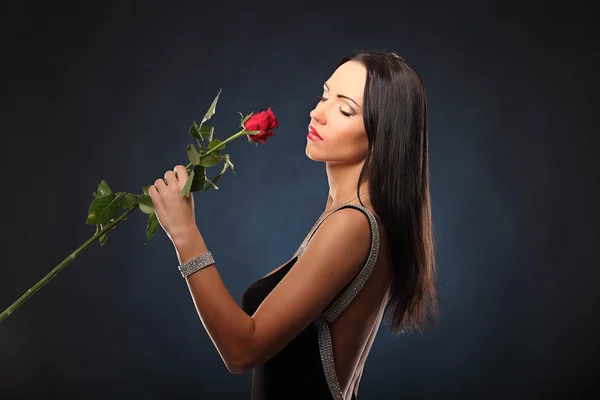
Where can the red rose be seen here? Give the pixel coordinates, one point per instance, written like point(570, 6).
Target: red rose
point(264, 122)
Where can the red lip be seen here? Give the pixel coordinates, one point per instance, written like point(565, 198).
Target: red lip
point(313, 131)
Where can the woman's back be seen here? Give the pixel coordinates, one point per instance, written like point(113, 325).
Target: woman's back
point(326, 359)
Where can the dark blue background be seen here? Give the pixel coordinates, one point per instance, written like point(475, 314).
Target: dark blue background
point(108, 91)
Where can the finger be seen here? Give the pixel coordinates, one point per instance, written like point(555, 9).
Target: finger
point(171, 179)
point(181, 173)
point(152, 190)
point(160, 184)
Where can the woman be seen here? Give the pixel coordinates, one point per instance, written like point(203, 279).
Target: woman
point(306, 328)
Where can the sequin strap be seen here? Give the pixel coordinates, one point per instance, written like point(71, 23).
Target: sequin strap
point(337, 307)
point(350, 293)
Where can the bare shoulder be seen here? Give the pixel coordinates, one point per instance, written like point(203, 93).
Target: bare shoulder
point(343, 237)
point(348, 218)
point(331, 259)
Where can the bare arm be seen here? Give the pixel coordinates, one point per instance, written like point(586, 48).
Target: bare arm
point(228, 326)
point(331, 259)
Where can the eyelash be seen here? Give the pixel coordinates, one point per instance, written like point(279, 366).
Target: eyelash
point(322, 99)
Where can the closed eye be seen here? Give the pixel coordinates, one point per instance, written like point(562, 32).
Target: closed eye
point(323, 99)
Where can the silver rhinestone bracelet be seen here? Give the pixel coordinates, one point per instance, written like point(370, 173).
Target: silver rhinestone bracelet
point(196, 264)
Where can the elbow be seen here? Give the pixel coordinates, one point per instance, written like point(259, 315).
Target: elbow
point(242, 359)
point(242, 363)
point(236, 370)
point(239, 367)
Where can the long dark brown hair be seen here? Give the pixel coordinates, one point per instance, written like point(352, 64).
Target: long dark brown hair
point(397, 167)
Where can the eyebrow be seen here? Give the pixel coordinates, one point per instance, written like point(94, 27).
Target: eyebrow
point(341, 95)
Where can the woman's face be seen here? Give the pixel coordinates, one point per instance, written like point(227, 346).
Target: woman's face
point(338, 118)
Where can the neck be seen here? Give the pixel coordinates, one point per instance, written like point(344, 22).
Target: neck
point(342, 180)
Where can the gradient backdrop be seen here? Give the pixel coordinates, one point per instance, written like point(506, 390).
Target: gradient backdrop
point(108, 91)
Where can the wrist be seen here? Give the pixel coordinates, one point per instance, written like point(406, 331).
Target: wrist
point(183, 235)
point(188, 244)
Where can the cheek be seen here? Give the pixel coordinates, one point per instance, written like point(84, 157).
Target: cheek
point(353, 132)
point(341, 125)
point(361, 144)
point(350, 144)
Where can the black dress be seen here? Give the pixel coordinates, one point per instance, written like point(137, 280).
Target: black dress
point(304, 369)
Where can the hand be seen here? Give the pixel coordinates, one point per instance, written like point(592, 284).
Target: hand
point(175, 212)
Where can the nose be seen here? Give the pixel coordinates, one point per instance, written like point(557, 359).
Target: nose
point(317, 114)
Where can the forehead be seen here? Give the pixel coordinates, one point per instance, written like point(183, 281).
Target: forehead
point(349, 79)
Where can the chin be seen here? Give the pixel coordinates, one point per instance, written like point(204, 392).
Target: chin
point(310, 154)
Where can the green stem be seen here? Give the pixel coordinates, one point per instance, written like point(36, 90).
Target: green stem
point(63, 264)
point(89, 242)
point(229, 139)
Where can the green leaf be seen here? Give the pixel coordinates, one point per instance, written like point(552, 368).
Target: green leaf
point(146, 204)
point(244, 119)
point(207, 132)
point(210, 184)
point(252, 132)
point(211, 159)
point(199, 179)
point(228, 162)
point(102, 239)
point(152, 225)
point(192, 154)
point(216, 179)
point(145, 190)
point(103, 209)
point(215, 143)
point(130, 200)
point(188, 184)
point(211, 110)
point(103, 189)
point(195, 131)
point(195, 181)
